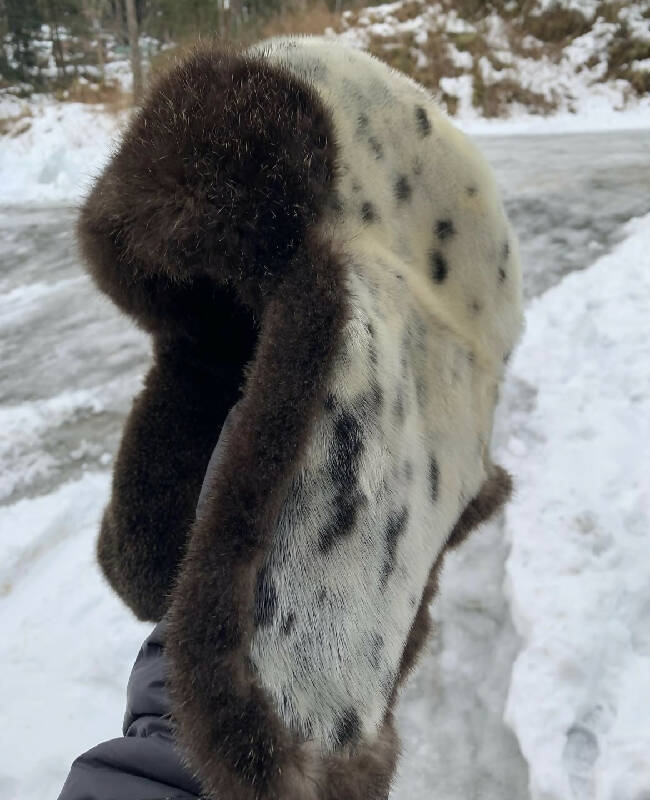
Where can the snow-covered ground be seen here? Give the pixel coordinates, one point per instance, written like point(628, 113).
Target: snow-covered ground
point(52, 150)
point(572, 623)
point(67, 643)
point(578, 575)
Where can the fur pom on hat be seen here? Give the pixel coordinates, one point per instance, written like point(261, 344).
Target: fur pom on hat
point(304, 232)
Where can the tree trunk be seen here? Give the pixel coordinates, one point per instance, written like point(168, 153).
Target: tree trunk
point(220, 16)
point(57, 49)
point(136, 63)
point(100, 55)
point(235, 16)
point(55, 38)
point(93, 10)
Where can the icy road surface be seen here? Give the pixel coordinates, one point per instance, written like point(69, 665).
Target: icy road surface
point(70, 366)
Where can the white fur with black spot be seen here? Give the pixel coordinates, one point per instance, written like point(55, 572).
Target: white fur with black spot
point(416, 378)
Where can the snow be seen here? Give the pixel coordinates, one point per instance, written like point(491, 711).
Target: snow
point(25, 425)
point(57, 611)
point(587, 7)
point(55, 159)
point(596, 116)
point(579, 526)
point(450, 716)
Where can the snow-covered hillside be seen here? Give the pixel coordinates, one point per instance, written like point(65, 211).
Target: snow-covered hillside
point(574, 60)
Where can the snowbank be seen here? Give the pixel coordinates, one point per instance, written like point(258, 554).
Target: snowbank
point(578, 572)
point(68, 643)
point(597, 116)
point(53, 151)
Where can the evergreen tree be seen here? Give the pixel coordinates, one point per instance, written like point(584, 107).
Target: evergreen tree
point(23, 20)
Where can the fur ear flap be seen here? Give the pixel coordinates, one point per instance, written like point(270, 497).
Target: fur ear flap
point(166, 445)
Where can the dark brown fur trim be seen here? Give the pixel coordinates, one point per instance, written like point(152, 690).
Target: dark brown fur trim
point(420, 628)
point(493, 495)
point(166, 445)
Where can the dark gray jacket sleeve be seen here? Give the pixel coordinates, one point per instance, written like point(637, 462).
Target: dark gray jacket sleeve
point(144, 764)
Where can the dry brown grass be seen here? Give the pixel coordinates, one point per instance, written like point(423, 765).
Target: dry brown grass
point(474, 10)
point(450, 102)
point(313, 20)
point(624, 49)
point(551, 30)
point(17, 123)
point(110, 95)
point(608, 11)
point(400, 52)
point(397, 51)
point(522, 45)
point(556, 25)
point(475, 44)
point(622, 52)
point(408, 10)
point(639, 80)
point(439, 63)
point(471, 9)
point(493, 99)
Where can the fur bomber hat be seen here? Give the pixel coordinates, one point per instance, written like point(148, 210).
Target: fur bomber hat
point(305, 234)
